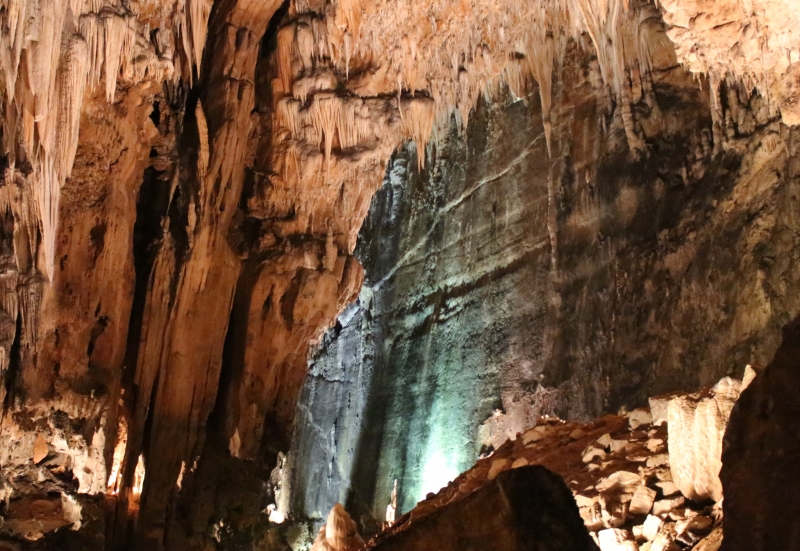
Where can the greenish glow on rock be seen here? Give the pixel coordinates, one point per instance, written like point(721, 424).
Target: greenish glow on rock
point(438, 471)
point(444, 456)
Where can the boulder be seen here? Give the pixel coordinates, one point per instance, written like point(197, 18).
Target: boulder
point(604, 441)
point(535, 434)
point(642, 501)
point(593, 452)
point(711, 542)
point(498, 466)
point(620, 482)
point(651, 527)
point(639, 417)
point(577, 434)
point(519, 462)
point(658, 408)
point(666, 506)
point(665, 539)
point(525, 509)
point(760, 463)
point(696, 425)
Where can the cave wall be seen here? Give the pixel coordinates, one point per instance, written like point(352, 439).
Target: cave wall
point(183, 184)
point(499, 278)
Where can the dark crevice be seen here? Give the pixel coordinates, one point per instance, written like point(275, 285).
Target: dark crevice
point(269, 43)
point(14, 365)
point(151, 205)
point(99, 326)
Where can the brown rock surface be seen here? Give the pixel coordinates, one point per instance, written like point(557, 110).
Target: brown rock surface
point(759, 462)
point(183, 184)
point(530, 508)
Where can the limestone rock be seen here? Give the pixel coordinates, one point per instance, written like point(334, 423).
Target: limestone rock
point(665, 539)
point(620, 482)
point(592, 452)
point(663, 507)
point(40, 449)
point(667, 487)
point(183, 186)
point(749, 376)
point(604, 441)
point(658, 460)
point(521, 462)
point(642, 501)
point(498, 466)
point(759, 464)
point(639, 417)
point(534, 435)
point(577, 434)
point(651, 527)
point(533, 509)
point(712, 542)
point(696, 427)
point(659, 409)
point(612, 539)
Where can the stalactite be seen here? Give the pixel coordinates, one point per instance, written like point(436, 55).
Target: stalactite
point(198, 14)
point(482, 44)
point(717, 115)
point(418, 117)
point(66, 48)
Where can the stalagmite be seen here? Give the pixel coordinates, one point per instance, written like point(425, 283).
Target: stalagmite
point(341, 531)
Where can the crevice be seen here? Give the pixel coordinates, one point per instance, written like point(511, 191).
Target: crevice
point(14, 365)
point(151, 206)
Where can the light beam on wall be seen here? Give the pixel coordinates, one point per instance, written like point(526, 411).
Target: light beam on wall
point(444, 455)
point(436, 474)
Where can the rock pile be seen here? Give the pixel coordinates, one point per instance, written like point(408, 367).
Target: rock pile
point(647, 480)
point(524, 509)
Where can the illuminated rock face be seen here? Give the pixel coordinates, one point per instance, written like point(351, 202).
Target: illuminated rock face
point(577, 284)
point(183, 184)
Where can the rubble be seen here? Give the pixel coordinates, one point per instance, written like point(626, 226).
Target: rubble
point(530, 508)
point(620, 470)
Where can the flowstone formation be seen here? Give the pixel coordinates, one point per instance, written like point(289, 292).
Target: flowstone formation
point(183, 186)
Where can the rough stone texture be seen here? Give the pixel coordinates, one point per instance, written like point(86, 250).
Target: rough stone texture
point(605, 489)
point(759, 461)
point(727, 39)
point(183, 184)
point(531, 509)
point(696, 427)
point(502, 279)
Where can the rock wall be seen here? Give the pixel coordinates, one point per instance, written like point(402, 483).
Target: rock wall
point(183, 184)
point(501, 278)
point(760, 456)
